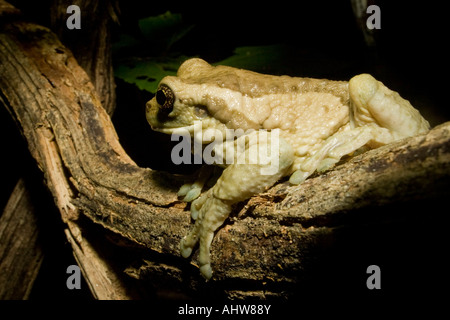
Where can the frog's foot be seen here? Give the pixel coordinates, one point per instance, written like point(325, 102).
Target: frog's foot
point(299, 176)
point(188, 243)
point(191, 191)
point(212, 212)
point(339, 145)
point(326, 164)
point(196, 206)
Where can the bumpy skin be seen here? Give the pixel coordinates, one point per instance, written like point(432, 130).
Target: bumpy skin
point(314, 122)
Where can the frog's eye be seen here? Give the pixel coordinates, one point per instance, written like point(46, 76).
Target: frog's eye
point(165, 98)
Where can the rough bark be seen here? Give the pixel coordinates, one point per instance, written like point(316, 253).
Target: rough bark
point(91, 45)
point(267, 245)
point(20, 247)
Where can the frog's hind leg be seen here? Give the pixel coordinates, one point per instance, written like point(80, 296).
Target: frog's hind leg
point(378, 116)
point(372, 102)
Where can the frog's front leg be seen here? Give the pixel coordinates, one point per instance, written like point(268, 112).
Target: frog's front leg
point(378, 116)
point(239, 181)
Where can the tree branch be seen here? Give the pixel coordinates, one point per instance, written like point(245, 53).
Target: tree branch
point(91, 45)
point(20, 246)
point(269, 241)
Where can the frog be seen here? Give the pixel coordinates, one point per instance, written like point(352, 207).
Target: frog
point(313, 123)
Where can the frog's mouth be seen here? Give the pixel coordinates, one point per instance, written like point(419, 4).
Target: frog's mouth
point(159, 120)
point(169, 128)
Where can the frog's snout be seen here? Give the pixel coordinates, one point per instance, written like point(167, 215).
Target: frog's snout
point(150, 112)
point(147, 107)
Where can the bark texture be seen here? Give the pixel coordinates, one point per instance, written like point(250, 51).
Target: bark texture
point(91, 45)
point(21, 251)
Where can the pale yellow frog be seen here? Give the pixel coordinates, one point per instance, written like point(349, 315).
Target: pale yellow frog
point(313, 123)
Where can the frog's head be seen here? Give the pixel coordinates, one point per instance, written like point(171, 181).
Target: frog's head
point(183, 100)
point(200, 92)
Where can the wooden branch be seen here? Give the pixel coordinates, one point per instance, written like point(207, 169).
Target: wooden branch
point(266, 245)
point(20, 247)
point(91, 45)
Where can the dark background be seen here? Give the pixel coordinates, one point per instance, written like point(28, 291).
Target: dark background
point(410, 56)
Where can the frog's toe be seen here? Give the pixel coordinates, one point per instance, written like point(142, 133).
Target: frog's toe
point(196, 206)
point(194, 212)
point(326, 164)
point(190, 191)
point(192, 194)
point(298, 177)
point(184, 249)
point(206, 271)
point(184, 189)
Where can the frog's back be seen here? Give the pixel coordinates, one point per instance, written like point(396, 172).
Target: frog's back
point(255, 85)
point(302, 106)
